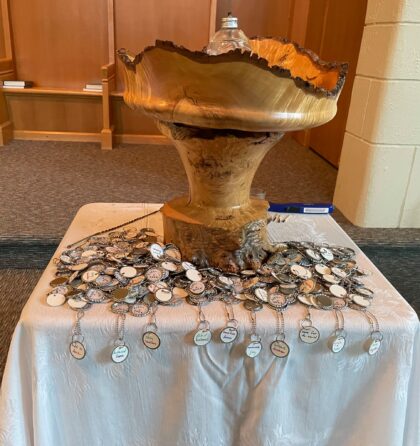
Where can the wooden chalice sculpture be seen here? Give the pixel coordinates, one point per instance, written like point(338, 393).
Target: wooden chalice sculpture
point(223, 114)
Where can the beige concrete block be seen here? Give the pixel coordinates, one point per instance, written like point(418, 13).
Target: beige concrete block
point(392, 113)
point(358, 105)
point(393, 11)
point(411, 213)
point(390, 51)
point(372, 182)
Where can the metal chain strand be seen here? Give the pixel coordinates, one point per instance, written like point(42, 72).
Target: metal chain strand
point(253, 323)
point(113, 228)
point(120, 327)
point(77, 330)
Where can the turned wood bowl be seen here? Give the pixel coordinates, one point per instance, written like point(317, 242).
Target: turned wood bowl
point(277, 87)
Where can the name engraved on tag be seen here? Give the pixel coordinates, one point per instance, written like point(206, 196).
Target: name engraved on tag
point(253, 349)
point(309, 335)
point(119, 354)
point(77, 350)
point(202, 337)
point(279, 349)
point(228, 335)
point(151, 340)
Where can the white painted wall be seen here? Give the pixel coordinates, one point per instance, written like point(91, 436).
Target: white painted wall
point(378, 182)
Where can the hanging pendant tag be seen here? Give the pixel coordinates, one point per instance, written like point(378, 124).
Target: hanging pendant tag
point(120, 353)
point(228, 334)
point(77, 350)
point(338, 343)
point(151, 340)
point(202, 337)
point(253, 349)
point(279, 348)
point(309, 334)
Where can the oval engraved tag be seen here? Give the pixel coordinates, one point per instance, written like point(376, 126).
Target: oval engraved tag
point(77, 350)
point(374, 346)
point(202, 337)
point(338, 344)
point(309, 335)
point(253, 349)
point(228, 335)
point(279, 348)
point(120, 353)
point(151, 340)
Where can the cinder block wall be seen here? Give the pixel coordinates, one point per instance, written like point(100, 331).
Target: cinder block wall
point(378, 182)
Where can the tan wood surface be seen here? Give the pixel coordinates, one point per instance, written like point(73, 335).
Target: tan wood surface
point(59, 44)
point(81, 114)
point(139, 23)
point(335, 30)
point(258, 17)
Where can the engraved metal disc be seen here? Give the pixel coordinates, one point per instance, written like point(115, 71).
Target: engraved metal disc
point(128, 272)
point(163, 295)
point(156, 251)
point(187, 266)
point(202, 337)
point(309, 335)
point(90, 276)
point(77, 350)
point(179, 292)
point(374, 345)
point(262, 294)
point(253, 349)
point(338, 344)
point(228, 334)
point(197, 287)
point(322, 269)
point(140, 309)
point(360, 300)
point(194, 275)
point(151, 340)
point(279, 348)
point(301, 271)
point(154, 274)
point(338, 291)
point(120, 353)
point(327, 254)
point(55, 299)
point(76, 304)
point(305, 299)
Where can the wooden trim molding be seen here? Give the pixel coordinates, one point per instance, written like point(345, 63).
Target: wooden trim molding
point(56, 136)
point(142, 139)
point(6, 133)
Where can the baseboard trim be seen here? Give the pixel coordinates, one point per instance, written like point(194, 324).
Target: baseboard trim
point(56, 136)
point(37, 135)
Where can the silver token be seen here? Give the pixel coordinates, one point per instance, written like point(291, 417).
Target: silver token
point(187, 266)
point(169, 266)
point(128, 272)
point(360, 300)
point(324, 301)
point(140, 309)
point(277, 300)
point(327, 254)
point(194, 275)
point(179, 292)
point(90, 276)
point(154, 274)
point(89, 253)
point(197, 287)
point(151, 340)
point(261, 293)
point(95, 296)
point(338, 291)
point(365, 292)
point(228, 334)
point(103, 280)
point(322, 269)
point(225, 280)
point(301, 271)
point(309, 335)
point(339, 272)
point(373, 346)
point(120, 307)
point(56, 299)
point(279, 348)
point(330, 278)
point(120, 353)
point(313, 254)
point(77, 350)
point(173, 253)
point(253, 349)
point(76, 303)
point(202, 337)
point(78, 267)
point(163, 295)
point(156, 251)
point(338, 344)
point(305, 299)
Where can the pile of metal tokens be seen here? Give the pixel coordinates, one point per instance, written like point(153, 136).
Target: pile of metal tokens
point(131, 270)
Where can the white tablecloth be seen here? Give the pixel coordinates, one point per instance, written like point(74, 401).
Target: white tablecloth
point(186, 395)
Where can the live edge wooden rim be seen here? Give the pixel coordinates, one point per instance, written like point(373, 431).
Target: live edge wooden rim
point(277, 87)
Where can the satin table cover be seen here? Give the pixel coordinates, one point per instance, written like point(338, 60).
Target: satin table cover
point(184, 395)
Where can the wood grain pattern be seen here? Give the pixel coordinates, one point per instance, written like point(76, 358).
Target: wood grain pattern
point(138, 23)
point(208, 225)
point(59, 44)
point(289, 90)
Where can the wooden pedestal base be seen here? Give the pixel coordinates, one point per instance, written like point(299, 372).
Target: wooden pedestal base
point(218, 224)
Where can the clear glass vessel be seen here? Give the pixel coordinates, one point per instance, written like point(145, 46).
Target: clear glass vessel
point(228, 38)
